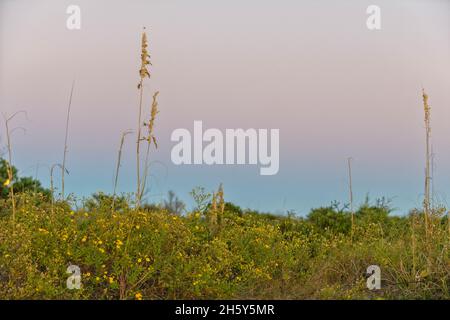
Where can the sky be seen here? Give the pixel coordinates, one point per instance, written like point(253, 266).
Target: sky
point(311, 69)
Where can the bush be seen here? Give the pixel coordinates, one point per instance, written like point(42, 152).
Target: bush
point(154, 254)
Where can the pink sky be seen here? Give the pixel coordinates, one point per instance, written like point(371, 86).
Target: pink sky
point(309, 68)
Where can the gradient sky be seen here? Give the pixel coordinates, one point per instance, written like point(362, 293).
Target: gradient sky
point(310, 68)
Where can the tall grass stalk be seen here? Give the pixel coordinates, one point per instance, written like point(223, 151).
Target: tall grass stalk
point(143, 73)
point(119, 157)
point(349, 163)
point(65, 140)
point(52, 188)
point(426, 202)
point(36, 178)
point(414, 246)
point(9, 167)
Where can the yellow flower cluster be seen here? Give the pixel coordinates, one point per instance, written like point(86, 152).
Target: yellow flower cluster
point(118, 243)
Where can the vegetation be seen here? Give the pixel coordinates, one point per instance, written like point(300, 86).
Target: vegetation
point(222, 251)
point(21, 184)
point(127, 249)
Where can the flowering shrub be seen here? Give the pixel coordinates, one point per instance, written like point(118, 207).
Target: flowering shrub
point(153, 254)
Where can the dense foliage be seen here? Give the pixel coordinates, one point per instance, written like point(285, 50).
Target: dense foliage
point(218, 250)
point(21, 184)
point(155, 254)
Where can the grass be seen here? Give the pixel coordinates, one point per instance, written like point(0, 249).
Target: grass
point(143, 73)
point(66, 136)
point(119, 158)
point(9, 169)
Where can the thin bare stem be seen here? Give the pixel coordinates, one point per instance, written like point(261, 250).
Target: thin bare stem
point(10, 166)
point(52, 189)
point(413, 240)
point(36, 179)
point(10, 172)
point(349, 163)
point(138, 143)
point(65, 140)
point(119, 157)
point(426, 202)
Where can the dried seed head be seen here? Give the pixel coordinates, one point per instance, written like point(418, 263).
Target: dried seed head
point(425, 101)
point(221, 199)
point(145, 57)
point(426, 106)
point(153, 112)
point(425, 96)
